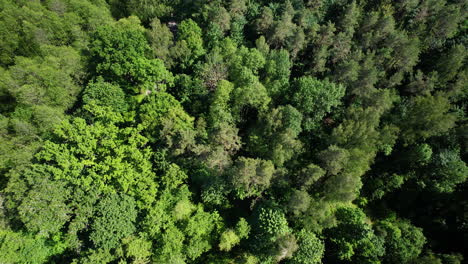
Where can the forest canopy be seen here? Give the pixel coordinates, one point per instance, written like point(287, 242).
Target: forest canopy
point(233, 132)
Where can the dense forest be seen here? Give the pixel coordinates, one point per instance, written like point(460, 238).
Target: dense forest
point(233, 132)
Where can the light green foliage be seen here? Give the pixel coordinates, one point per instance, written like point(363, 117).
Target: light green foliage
point(242, 228)
point(52, 80)
point(243, 67)
point(219, 108)
point(95, 256)
point(185, 230)
point(285, 131)
point(310, 250)
point(228, 240)
point(278, 70)
point(92, 13)
point(315, 98)
point(115, 219)
point(91, 155)
point(105, 94)
point(231, 237)
point(189, 45)
point(119, 52)
point(163, 118)
point(137, 248)
point(199, 229)
point(190, 32)
point(245, 64)
point(271, 224)
point(403, 241)
point(183, 209)
point(250, 177)
point(262, 46)
point(22, 248)
point(160, 108)
point(173, 177)
point(171, 246)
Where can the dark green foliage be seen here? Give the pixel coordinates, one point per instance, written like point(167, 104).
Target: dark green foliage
point(334, 159)
point(431, 258)
point(44, 210)
point(403, 241)
point(160, 39)
point(353, 238)
point(450, 63)
point(280, 129)
point(299, 202)
point(147, 10)
point(426, 116)
point(250, 177)
point(114, 220)
point(447, 171)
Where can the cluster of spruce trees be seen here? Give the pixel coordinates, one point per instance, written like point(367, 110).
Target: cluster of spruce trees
point(233, 132)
